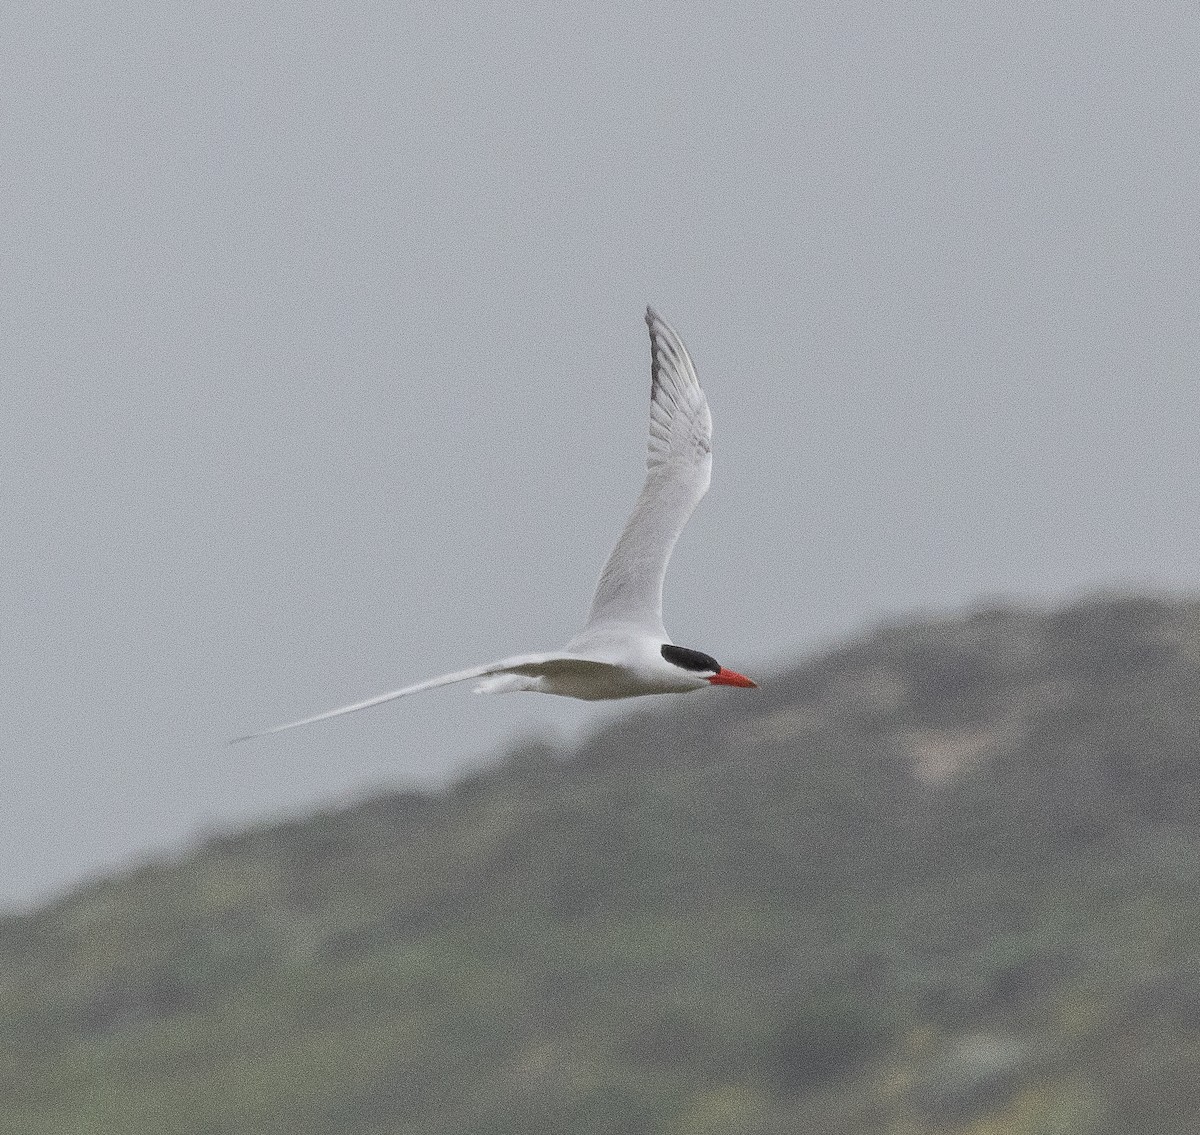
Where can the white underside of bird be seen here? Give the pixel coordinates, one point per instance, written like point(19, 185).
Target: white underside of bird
point(623, 650)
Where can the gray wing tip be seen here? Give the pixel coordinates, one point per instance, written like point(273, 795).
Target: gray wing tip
point(657, 325)
point(659, 329)
point(667, 352)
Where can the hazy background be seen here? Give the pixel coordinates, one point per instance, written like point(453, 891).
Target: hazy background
point(324, 365)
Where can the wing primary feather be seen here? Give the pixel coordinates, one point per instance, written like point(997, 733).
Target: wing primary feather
point(678, 464)
point(512, 665)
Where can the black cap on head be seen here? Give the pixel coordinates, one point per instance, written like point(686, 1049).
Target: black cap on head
point(692, 660)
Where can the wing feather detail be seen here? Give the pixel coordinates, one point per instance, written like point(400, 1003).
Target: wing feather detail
point(532, 665)
point(678, 470)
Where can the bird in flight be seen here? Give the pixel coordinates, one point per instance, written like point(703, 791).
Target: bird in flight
point(623, 650)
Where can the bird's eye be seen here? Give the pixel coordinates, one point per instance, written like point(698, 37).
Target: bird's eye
point(690, 659)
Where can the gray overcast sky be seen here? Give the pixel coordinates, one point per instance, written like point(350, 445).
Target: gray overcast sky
point(325, 371)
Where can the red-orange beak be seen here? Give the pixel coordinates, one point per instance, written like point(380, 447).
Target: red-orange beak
point(725, 677)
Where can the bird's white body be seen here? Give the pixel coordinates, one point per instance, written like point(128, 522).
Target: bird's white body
point(623, 650)
point(616, 663)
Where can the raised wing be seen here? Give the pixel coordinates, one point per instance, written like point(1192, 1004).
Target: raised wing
point(532, 665)
point(679, 466)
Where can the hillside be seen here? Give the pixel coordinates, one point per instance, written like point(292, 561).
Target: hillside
point(942, 879)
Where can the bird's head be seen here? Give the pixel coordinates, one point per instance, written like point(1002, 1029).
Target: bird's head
point(705, 666)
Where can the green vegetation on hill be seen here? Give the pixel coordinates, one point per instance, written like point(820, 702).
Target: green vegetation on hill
point(941, 880)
